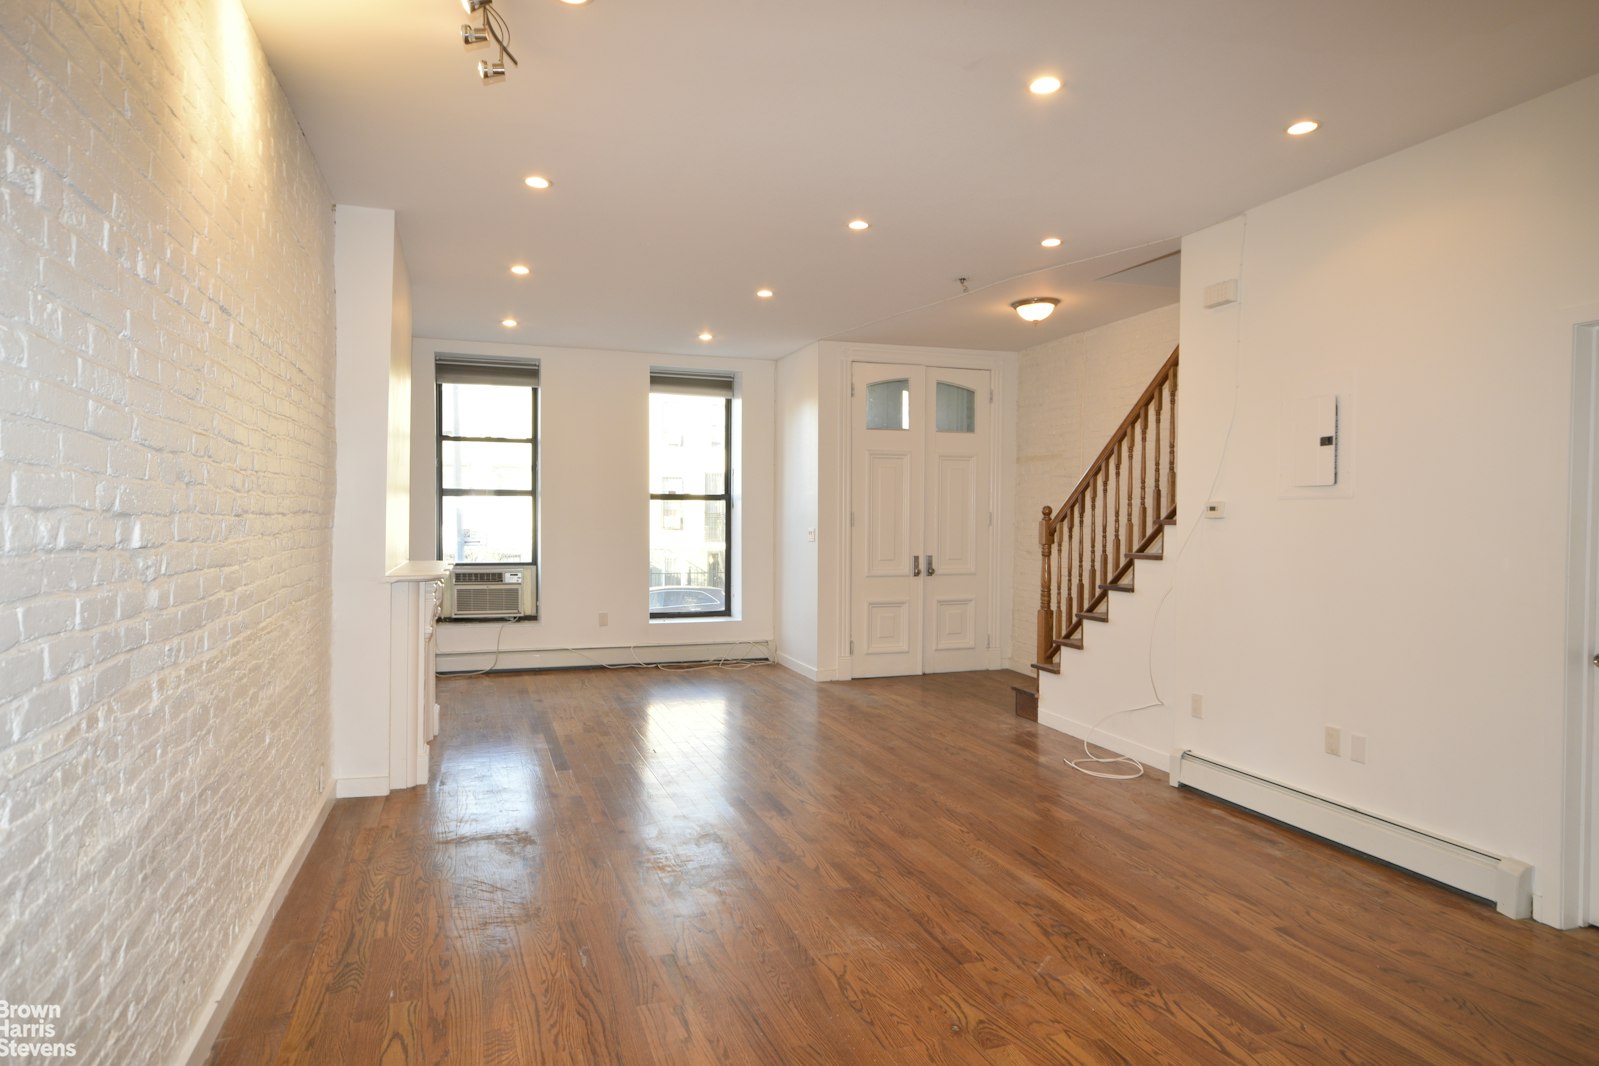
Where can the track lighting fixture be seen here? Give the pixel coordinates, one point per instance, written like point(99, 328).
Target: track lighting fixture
point(494, 28)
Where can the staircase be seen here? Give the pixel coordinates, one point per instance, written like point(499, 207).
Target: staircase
point(1115, 518)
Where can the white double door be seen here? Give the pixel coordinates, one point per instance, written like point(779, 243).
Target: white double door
point(921, 519)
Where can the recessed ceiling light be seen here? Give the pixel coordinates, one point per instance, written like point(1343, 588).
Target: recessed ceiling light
point(536, 181)
point(508, 323)
point(574, 3)
point(1050, 242)
point(765, 294)
point(519, 269)
point(859, 224)
point(706, 335)
point(1303, 126)
point(1045, 85)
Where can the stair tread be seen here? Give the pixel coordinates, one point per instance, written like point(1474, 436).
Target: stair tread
point(1053, 668)
point(1146, 555)
point(1094, 616)
point(1107, 586)
point(1075, 643)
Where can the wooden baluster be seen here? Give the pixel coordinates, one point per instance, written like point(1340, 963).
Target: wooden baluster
point(1132, 522)
point(1045, 643)
point(1159, 513)
point(1082, 513)
point(1104, 529)
point(1063, 581)
point(1093, 533)
point(1116, 544)
point(1171, 435)
point(1143, 476)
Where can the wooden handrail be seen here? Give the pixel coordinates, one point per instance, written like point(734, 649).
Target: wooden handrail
point(1089, 543)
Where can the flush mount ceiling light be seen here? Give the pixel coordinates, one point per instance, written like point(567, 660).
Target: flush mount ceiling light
point(859, 225)
point(765, 294)
point(508, 323)
point(494, 28)
point(1303, 126)
point(1044, 85)
point(519, 269)
point(706, 335)
point(536, 181)
point(1050, 242)
point(1035, 308)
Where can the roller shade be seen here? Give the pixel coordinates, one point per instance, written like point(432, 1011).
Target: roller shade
point(678, 383)
point(456, 370)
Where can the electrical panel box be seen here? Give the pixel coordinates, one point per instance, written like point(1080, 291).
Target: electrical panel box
point(1313, 441)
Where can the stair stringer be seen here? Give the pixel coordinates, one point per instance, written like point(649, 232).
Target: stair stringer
point(1111, 673)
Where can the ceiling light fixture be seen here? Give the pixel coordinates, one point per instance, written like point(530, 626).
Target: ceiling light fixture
point(1303, 126)
point(1044, 85)
point(705, 335)
point(535, 181)
point(1035, 309)
point(1050, 242)
point(859, 225)
point(519, 269)
point(494, 28)
point(765, 294)
point(508, 323)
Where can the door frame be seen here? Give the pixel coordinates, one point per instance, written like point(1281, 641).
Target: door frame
point(1579, 830)
point(1002, 367)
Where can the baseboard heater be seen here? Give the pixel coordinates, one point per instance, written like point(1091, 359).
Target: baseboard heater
point(1505, 882)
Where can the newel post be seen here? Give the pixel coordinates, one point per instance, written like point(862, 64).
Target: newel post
point(1046, 616)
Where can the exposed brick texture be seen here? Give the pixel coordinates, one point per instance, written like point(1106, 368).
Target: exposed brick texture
point(166, 459)
point(1074, 393)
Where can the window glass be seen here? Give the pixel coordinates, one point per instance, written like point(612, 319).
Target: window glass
point(888, 404)
point(690, 501)
point(956, 410)
point(487, 463)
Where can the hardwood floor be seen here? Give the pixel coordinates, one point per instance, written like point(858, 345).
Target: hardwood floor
point(642, 867)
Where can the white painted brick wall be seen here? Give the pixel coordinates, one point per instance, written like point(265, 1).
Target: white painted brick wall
point(166, 460)
point(1074, 393)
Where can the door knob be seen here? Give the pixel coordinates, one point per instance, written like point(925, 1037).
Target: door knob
point(916, 571)
point(1595, 658)
point(930, 574)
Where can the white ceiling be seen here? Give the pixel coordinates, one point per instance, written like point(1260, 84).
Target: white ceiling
point(701, 149)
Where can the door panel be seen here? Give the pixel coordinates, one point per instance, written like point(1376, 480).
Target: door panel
point(920, 505)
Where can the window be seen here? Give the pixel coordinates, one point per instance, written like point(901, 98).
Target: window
point(691, 425)
point(488, 461)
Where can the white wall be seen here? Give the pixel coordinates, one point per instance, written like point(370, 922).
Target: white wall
point(1422, 602)
point(371, 517)
point(594, 509)
point(166, 452)
point(1073, 393)
point(798, 488)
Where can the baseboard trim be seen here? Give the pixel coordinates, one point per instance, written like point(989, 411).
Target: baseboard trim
point(1503, 881)
point(805, 670)
point(352, 787)
point(1101, 739)
point(470, 662)
point(197, 1047)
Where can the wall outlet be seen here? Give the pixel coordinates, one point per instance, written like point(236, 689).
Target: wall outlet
point(810, 535)
point(1357, 747)
point(1333, 741)
point(1196, 705)
point(605, 618)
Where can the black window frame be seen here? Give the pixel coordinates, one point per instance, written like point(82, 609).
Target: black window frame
point(486, 373)
point(680, 379)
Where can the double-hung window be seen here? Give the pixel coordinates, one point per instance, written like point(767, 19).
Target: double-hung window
point(691, 495)
point(488, 461)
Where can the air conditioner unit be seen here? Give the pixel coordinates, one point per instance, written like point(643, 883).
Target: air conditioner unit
point(485, 590)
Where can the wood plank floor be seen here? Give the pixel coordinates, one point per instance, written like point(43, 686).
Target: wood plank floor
point(641, 867)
